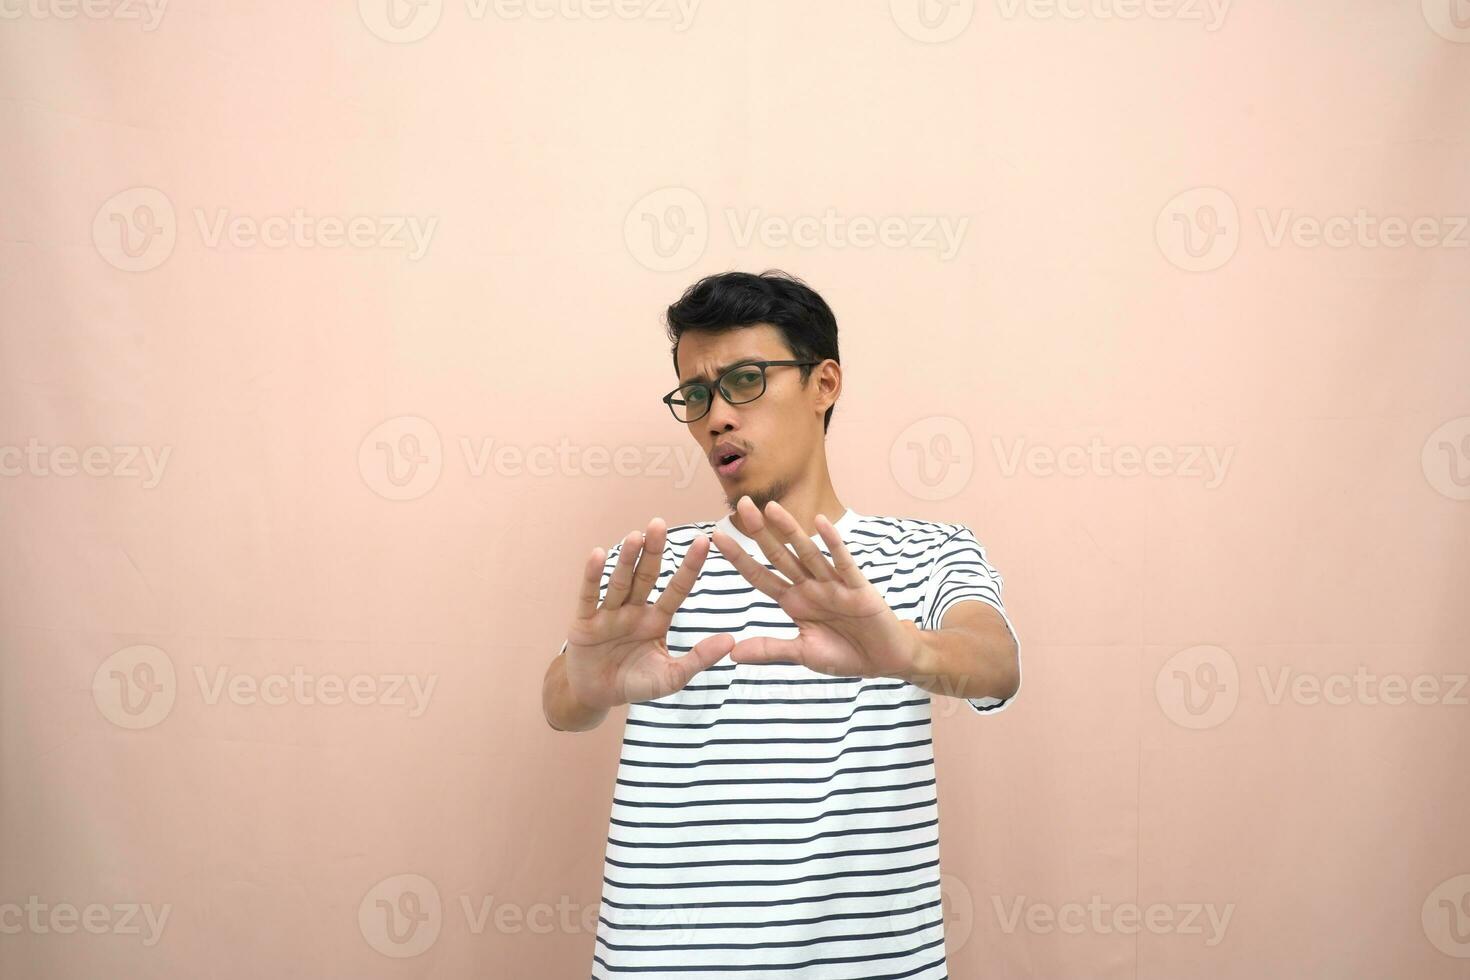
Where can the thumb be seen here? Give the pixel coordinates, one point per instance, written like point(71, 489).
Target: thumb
point(705, 653)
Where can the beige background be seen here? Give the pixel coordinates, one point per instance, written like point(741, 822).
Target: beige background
point(1209, 720)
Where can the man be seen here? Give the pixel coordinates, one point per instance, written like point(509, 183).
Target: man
point(775, 811)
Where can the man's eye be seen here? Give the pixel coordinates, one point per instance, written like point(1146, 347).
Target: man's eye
point(694, 395)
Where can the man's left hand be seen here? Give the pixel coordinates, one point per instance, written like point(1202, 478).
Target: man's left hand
point(845, 626)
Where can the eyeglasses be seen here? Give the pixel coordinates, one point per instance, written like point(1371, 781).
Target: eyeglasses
point(742, 383)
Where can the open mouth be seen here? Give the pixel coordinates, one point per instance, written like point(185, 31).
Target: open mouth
point(728, 464)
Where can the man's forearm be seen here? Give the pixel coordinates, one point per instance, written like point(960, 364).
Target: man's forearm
point(563, 711)
point(964, 662)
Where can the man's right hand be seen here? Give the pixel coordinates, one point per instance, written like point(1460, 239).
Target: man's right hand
point(617, 652)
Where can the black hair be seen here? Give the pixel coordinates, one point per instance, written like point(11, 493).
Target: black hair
point(730, 300)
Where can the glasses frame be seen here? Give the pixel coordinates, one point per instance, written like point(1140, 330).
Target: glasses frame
point(719, 386)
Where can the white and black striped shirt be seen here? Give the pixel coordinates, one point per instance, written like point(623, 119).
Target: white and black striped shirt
point(771, 821)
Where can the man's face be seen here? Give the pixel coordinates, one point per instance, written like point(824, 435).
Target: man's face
point(777, 434)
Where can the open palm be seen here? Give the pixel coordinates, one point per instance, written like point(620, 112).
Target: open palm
point(617, 652)
point(845, 627)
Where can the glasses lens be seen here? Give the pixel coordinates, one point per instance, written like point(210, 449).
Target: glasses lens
point(744, 383)
point(690, 402)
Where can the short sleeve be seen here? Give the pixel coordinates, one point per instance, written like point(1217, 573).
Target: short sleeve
point(961, 571)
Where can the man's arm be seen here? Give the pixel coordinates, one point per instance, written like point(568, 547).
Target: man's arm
point(973, 654)
point(563, 711)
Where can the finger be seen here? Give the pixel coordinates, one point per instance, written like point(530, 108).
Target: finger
point(622, 576)
point(591, 584)
point(784, 523)
point(771, 546)
point(684, 578)
point(842, 560)
point(706, 653)
point(650, 563)
point(753, 571)
point(767, 650)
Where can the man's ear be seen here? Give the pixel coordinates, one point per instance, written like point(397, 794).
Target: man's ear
point(829, 383)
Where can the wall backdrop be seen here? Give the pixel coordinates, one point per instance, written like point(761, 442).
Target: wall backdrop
point(330, 346)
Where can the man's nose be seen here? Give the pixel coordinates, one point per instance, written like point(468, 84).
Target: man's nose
point(722, 415)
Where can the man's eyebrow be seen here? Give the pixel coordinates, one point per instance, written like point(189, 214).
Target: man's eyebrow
point(723, 368)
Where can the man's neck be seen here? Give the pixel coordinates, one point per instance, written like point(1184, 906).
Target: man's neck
point(804, 507)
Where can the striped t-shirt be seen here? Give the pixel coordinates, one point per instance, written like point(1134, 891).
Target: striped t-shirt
point(771, 821)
